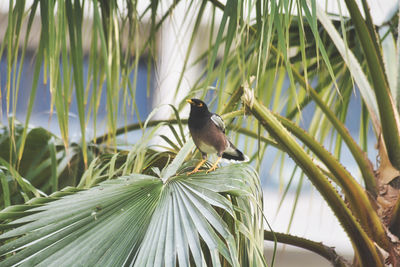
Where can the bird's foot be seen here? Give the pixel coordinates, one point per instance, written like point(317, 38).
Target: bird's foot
point(194, 171)
point(213, 168)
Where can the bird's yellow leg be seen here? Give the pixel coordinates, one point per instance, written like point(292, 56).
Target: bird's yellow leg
point(214, 166)
point(196, 169)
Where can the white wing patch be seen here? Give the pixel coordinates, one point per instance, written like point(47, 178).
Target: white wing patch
point(230, 150)
point(218, 122)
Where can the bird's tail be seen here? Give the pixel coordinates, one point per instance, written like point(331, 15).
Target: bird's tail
point(233, 153)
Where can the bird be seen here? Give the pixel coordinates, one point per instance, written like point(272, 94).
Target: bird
point(208, 132)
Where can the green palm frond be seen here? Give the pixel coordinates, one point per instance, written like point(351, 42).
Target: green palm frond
point(45, 166)
point(145, 221)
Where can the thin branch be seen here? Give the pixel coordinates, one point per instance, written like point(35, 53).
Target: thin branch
point(137, 126)
point(328, 253)
point(131, 127)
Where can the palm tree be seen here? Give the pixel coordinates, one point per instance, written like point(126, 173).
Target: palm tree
point(138, 207)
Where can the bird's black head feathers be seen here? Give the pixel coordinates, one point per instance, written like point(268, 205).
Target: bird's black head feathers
point(198, 108)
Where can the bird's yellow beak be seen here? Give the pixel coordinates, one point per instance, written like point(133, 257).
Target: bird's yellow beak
point(189, 101)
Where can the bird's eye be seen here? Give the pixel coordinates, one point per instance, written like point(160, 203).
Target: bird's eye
point(200, 105)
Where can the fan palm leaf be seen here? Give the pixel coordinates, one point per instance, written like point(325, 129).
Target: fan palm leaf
point(143, 220)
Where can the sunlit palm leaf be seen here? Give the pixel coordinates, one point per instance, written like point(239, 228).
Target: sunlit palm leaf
point(140, 220)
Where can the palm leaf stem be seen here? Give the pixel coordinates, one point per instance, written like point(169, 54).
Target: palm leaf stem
point(387, 110)
point(395, 220)
point(356, 196)
point(364, 247)
point(360, 156)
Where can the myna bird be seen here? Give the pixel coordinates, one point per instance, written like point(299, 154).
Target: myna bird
point(208, 133)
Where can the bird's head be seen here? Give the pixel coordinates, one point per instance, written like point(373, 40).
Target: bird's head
point(197, 106)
